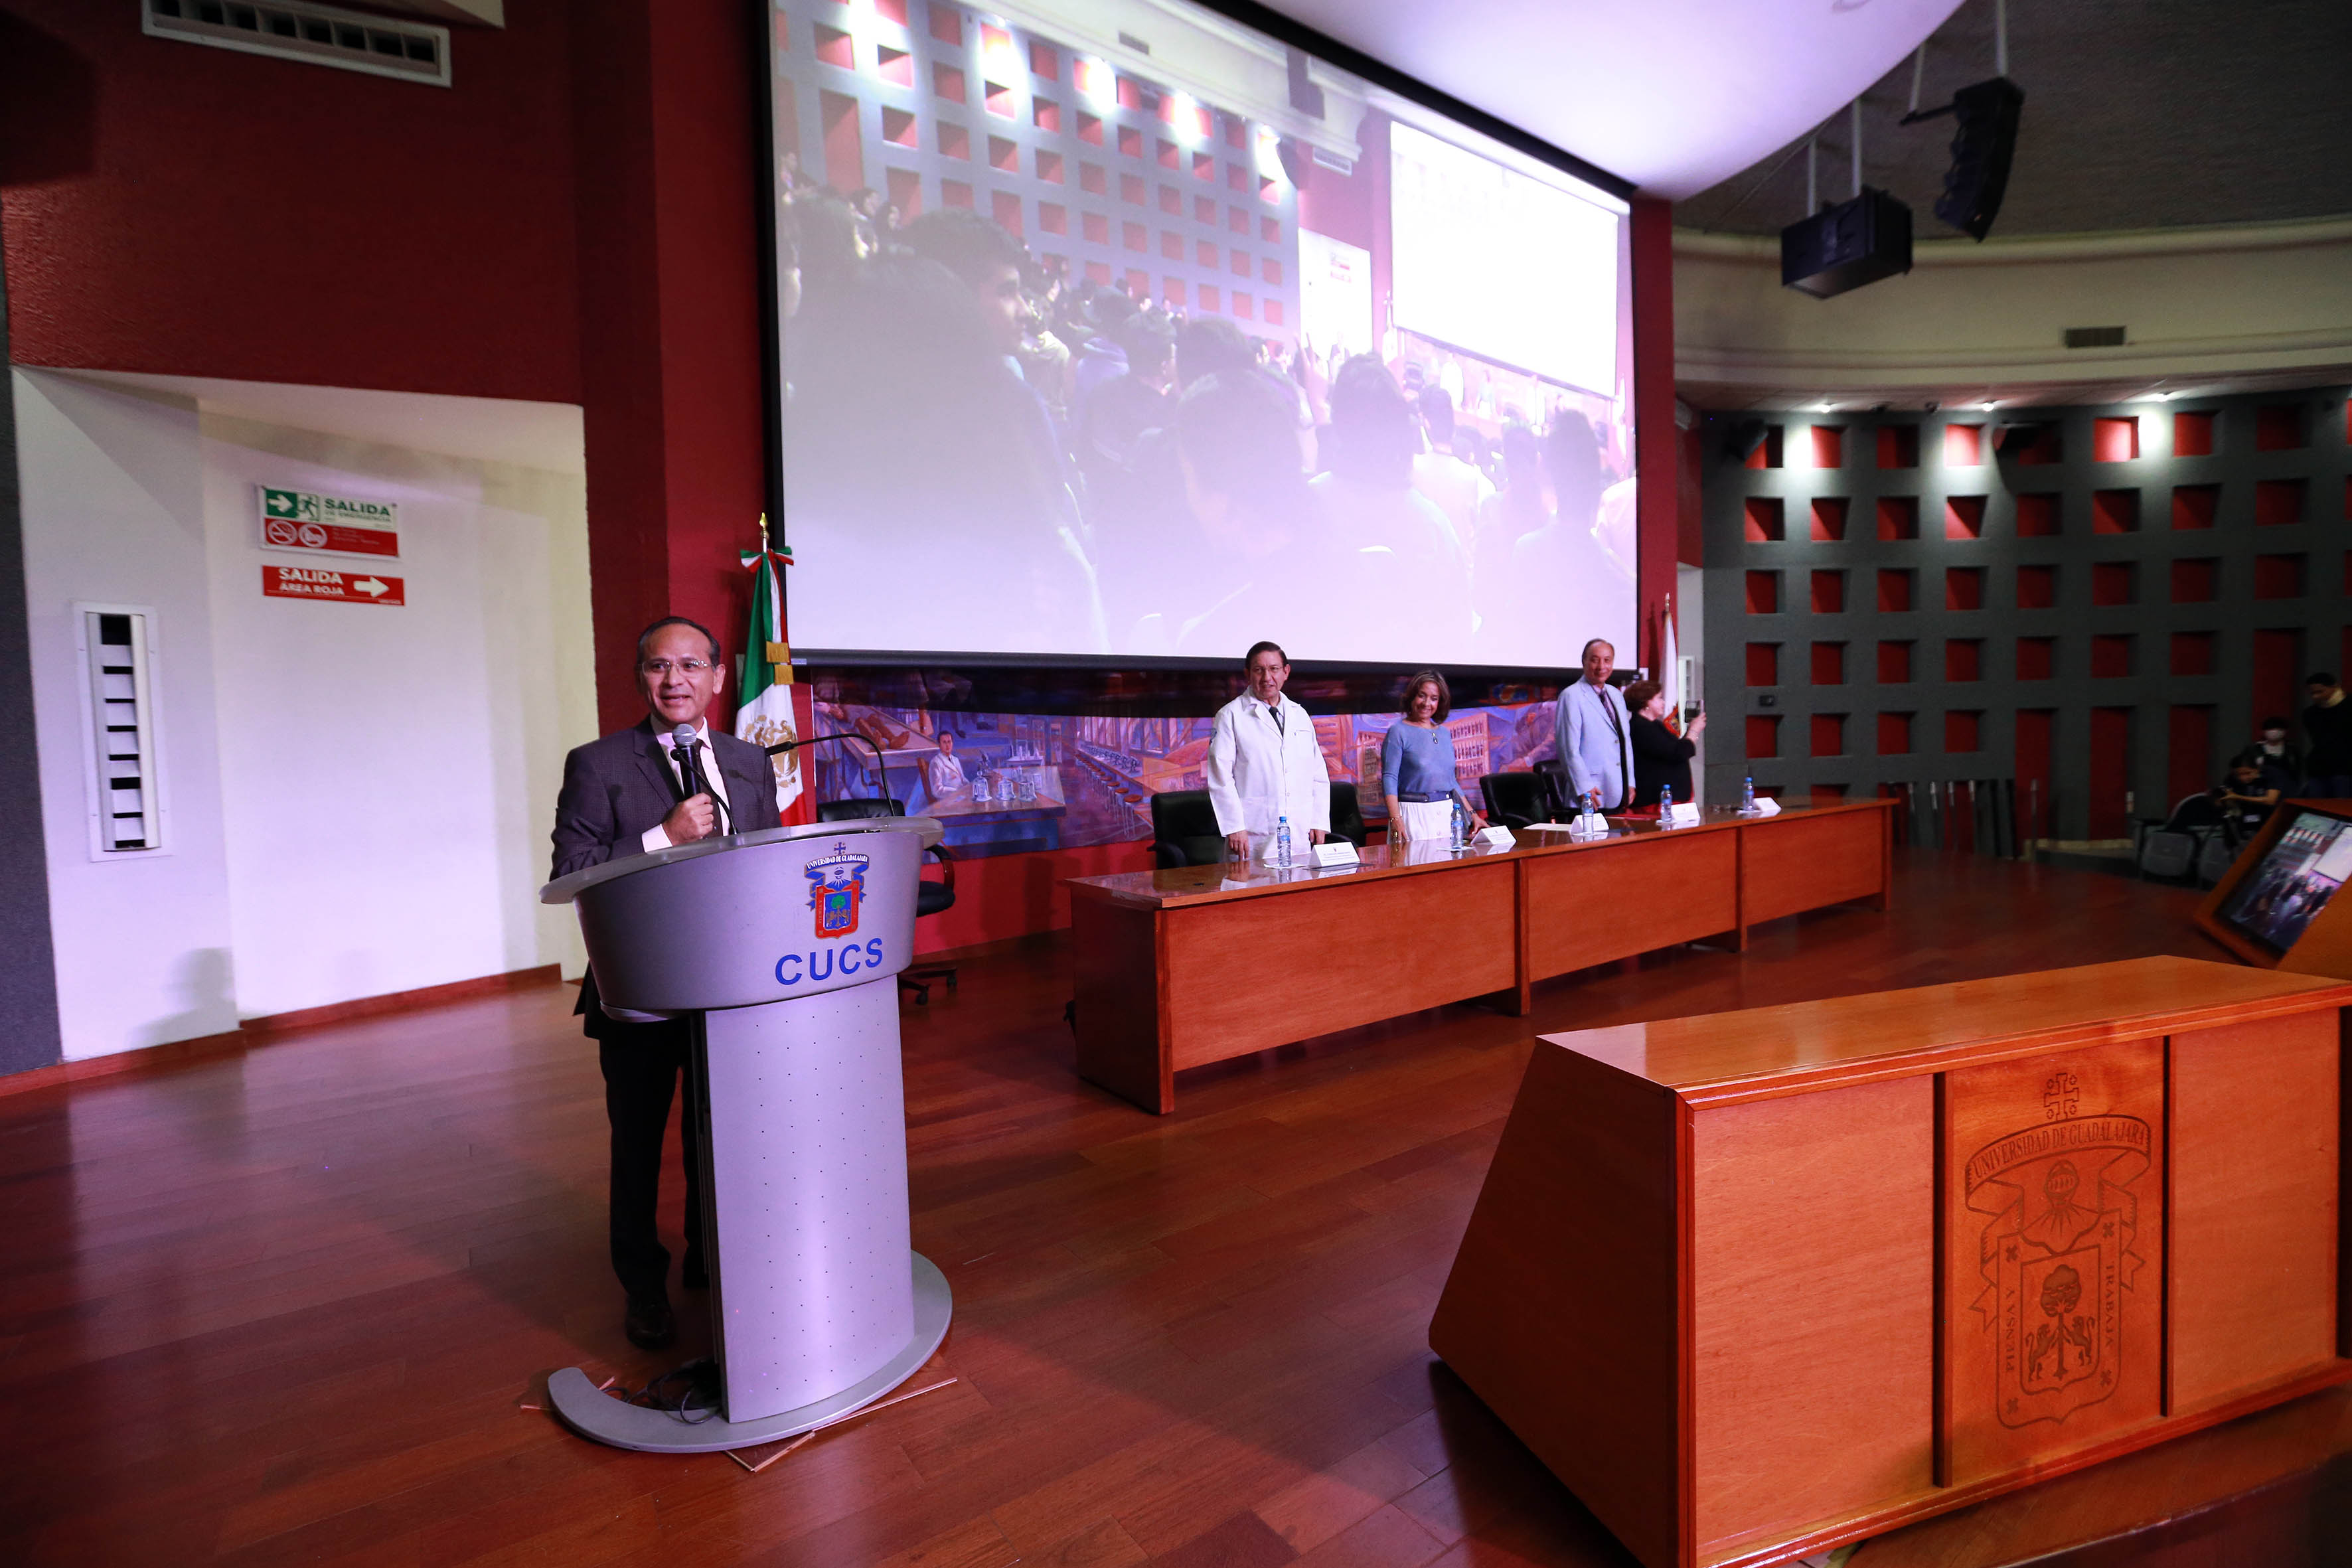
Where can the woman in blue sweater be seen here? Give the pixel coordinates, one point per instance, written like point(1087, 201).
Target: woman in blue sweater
point(1417, 766)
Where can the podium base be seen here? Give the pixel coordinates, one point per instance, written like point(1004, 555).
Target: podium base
point(595, 1414)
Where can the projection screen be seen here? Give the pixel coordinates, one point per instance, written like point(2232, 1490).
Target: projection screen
point(1113, 328)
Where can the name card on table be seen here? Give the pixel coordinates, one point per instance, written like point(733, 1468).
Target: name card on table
point(1336, 852)
point(1683, 814)
point(1591, 825)
point(1767, 807)
point(1496, 837)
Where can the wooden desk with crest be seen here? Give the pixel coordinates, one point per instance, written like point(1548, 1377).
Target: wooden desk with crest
point(1758, 1283)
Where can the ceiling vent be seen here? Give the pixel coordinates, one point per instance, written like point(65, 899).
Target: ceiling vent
point(319, 35)
point(2095, 337)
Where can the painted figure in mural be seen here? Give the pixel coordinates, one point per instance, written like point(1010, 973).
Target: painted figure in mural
point(1368, 496)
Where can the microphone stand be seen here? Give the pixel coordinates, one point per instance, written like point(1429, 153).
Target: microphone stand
point(882, 781)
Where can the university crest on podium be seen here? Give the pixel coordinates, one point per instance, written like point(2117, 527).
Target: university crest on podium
point(837, 889)
point(2057, 1255)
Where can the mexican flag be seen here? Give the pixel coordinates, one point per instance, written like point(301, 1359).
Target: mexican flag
point(769, 708)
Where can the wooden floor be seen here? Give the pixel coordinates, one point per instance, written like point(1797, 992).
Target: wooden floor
point(288, 1307)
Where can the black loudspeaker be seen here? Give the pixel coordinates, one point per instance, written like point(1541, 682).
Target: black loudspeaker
point(1847, 245)
point(1297, 160)
point(2016, 440)
point(1981, 149)
point(1745, 436)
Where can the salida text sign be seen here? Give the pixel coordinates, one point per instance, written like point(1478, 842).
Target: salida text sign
point(342, 587)
point(332, 525)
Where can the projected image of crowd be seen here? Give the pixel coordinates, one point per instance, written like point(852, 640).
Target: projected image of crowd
point(985, 443)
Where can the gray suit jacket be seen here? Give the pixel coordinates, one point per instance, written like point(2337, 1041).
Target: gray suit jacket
point(1598, 755)
point(616, 788)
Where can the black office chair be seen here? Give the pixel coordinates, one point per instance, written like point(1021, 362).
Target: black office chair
point(1557, 789)
point(1516, 799)
point(1347, 816)
point(930, 898)
point(1184, 829)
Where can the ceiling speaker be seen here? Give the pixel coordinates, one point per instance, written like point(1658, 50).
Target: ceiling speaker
point(1981, 149)
point(1847, 245)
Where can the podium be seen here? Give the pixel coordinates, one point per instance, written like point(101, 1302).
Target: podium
point(781, 947)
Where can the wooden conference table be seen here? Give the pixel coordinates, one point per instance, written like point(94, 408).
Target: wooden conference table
point(1161, 954)
point(1758, 1283)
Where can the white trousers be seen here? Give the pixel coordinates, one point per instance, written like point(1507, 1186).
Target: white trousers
point(1427, 820)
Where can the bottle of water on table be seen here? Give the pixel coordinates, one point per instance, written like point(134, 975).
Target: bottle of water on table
point(1282, 843)
point(1747, 797)
point(1665, 806)
point(1460, 836)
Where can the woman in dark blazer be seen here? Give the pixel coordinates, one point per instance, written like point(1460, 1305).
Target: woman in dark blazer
point(1661, 757)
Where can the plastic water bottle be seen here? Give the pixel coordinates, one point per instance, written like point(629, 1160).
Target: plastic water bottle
point(1747, 797)
point(1665, 806)
point(1461, 834)
point(1282, 843)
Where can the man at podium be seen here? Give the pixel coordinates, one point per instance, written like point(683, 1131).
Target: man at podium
point(638, 790)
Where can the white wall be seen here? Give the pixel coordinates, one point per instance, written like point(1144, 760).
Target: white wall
point(360, 794)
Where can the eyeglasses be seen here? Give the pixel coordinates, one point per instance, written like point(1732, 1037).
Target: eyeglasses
point(659, 668)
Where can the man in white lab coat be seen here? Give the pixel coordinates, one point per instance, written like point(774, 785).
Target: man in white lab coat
point(1595, 732)
point(1264, 763)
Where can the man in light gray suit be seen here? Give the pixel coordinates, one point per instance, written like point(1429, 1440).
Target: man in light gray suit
point(629, 794)
point(1595, 732)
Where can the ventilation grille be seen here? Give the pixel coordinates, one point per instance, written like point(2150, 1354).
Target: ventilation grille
point(124, 810)
point(320, 35)
point(2095, 337)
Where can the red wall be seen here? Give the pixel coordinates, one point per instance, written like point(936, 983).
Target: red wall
point(193, 211)
point(1656, 443)
point(574, 222)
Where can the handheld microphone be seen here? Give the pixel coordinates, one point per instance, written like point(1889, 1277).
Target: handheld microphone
point(690, 777)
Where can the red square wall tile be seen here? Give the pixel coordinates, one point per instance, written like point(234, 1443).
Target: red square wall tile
point(1829, 445)
point(1898, 445)
point(2114, 440)
point(2037, 515)
point(955, 194)
point(955, 141)
point(836, 47)
point(1043, 59)
point(947, 82)
point(1963, 731)
point(2193, 653)
point(2115, 583)
point(1004, 155)
point(1096, 226)
point(1131, 189)
point(1045, 115)
point(1895, 588)
point(2195, 580)
point(1172, 201)
point(2111, 657)
point(947, 25)
point(1763, 664)
point(2115, 511)
point(1827, 597)
point(1766, 452)
point(1899, 517)
point(1049, 166)
point(2192, 435)
point(2278, 502)
point(2278, 577)
point(1964, 587)
point(1005, 208)
point(1763, 735)
point(1829, 664)
point(1204, 210)
point(2037, 587)
point(1964, 659)
point(1963, 446)
point(1764, 520)
point(1828, 736)
point(1094, 179)
point(1763, 593)
point(1053, 218)
point(2195, 506)
point(1895, 663)
point(1894, 734)
point(1090, 129)
point(2037, 658)
point(2282, 427)
point(1964, 517)
point(898, 127)
point(1829, 516)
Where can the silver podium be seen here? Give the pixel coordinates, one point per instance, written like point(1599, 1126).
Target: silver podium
point(782, 947)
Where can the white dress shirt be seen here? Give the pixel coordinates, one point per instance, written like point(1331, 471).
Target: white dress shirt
point(942, 774)
point(1264, 763)
point(706, 760)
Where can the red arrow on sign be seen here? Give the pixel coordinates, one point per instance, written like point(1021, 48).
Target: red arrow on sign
point(339, 587)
